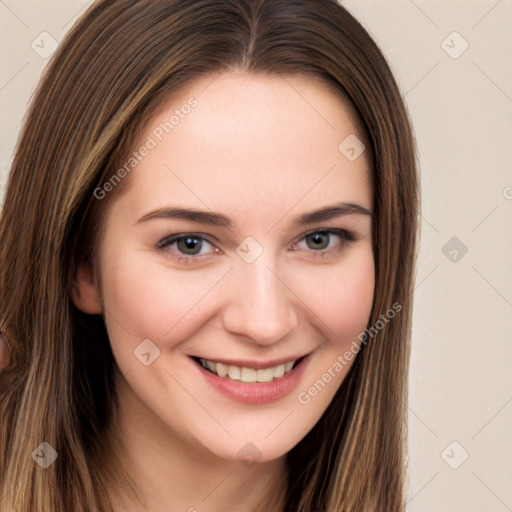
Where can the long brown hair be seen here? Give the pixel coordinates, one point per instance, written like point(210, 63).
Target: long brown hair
point(119, 63)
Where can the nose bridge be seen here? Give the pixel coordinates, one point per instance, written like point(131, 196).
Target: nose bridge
point(260, 305)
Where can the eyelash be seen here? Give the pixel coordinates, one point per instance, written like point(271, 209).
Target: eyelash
point(345, 236)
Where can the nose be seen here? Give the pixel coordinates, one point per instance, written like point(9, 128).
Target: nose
point(261, 306)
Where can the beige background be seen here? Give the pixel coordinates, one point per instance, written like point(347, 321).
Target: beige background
point(461, 105)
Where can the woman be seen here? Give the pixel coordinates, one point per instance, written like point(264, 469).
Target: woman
point(264, 372)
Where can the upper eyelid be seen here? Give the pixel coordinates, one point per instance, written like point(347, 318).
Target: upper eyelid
point(204, 236)
point(334, 231)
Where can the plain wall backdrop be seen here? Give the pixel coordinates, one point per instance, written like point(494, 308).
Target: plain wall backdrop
point(452, 60)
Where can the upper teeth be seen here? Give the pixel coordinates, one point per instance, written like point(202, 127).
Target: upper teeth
point(248, 374)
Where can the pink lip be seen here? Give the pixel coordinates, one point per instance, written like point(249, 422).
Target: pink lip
point(258, 393)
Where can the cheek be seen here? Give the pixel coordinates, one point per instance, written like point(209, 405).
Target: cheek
point(343, 303)
point(343, 297)
point(148, 300)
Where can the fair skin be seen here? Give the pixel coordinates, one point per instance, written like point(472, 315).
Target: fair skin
point(262, 151)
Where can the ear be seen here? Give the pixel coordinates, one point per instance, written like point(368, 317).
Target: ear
point(86, 294)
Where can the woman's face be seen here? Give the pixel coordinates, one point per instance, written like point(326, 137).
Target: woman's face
point(255, 282)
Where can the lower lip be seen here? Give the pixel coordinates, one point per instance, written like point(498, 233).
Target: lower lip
point(256, 393)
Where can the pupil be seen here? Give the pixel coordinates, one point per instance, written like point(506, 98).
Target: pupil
point(187, 244)
point(317, 239)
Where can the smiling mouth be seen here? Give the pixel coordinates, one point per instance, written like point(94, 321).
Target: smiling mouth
point(248, 375)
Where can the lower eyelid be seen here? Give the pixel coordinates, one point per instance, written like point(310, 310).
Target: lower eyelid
point(344, 236)
point(184, 255)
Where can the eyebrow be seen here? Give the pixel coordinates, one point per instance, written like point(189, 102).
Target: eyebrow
point(217, 219)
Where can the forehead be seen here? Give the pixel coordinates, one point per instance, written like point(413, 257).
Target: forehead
point(239, 141)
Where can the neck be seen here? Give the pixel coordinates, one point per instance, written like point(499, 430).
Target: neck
point(181, 475)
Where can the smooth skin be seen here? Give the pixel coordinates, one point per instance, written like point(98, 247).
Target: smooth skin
point(261, 150)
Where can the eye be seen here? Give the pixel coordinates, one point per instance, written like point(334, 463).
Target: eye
point(187, 246)
point(323, 241)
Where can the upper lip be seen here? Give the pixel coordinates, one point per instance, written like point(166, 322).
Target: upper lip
point(257, 364)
